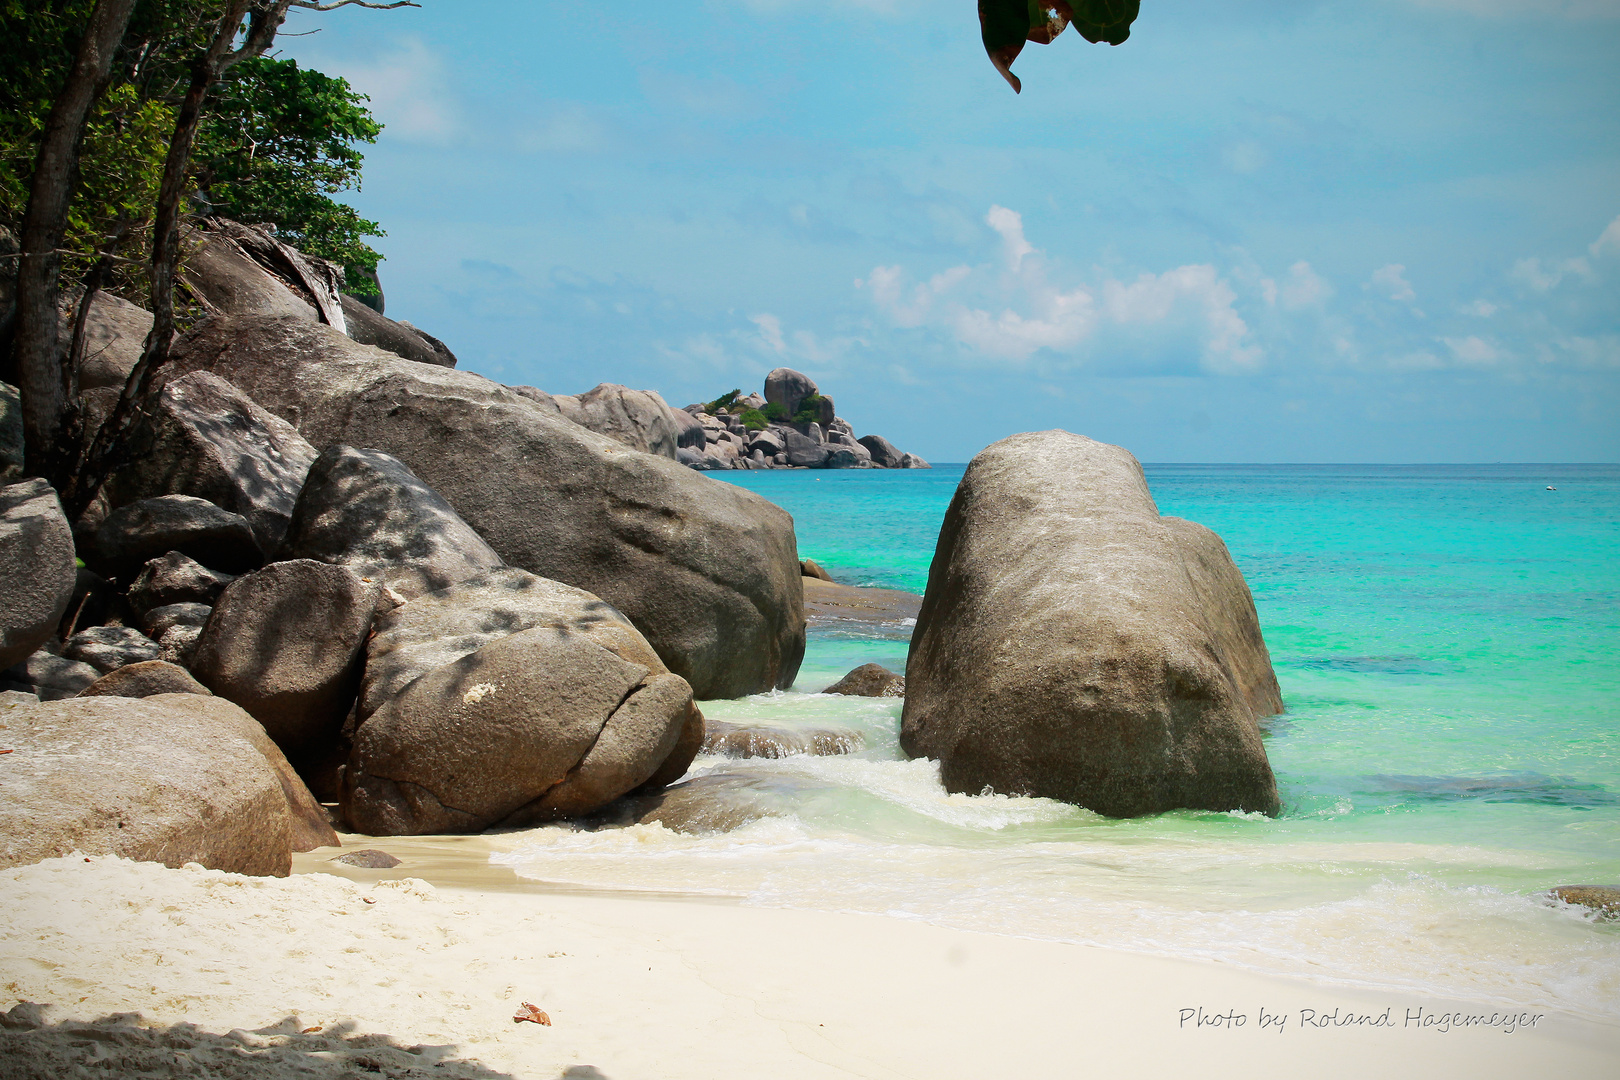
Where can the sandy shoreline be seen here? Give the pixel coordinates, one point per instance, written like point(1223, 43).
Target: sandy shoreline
point(642, 987)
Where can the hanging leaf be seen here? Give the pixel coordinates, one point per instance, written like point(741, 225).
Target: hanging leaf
point(1005, 25)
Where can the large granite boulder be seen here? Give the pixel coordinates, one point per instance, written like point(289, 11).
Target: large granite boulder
point(766, 740)
point(786, 387)
point(707, 572)
point(168, 779)
point(1074, 644)
point(509, 698)
point(804, 451)
point(912, 461)
point(114, 333)
point(285, 643)
point(36, 565)
point(222, 275)
point(366, 510)
point(884, 452)
point(370, 327)
point(144, 530)
point(209, 440)
point(689, 430)
point(637, 418)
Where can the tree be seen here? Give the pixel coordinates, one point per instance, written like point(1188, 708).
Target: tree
point(208, 47)
point(277, 144)
point(1005, 25)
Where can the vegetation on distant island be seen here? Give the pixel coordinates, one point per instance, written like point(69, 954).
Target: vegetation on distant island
point(724, 403)
point(776, 412)
point(809, 410)
point(754, 420)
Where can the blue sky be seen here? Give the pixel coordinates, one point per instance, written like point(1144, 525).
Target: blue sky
point(1386, 230)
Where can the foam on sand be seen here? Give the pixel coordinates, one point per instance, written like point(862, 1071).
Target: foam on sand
point(408, 976)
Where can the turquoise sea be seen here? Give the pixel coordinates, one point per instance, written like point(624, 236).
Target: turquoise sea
point(1448, 643)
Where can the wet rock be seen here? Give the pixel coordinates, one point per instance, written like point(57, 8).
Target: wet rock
point(285, 643)
point(36, 566)
point(764, 740)
point(175, 578)
point(1602, 899)
point(365, 510)
point(870, 680)
point(89, 775)
point(1074, 645)
point(715, 803)
point(708, 572)
point(368, 859)
point(134, 534)
point(811, 569)
point(108, 648)
point(145, 679)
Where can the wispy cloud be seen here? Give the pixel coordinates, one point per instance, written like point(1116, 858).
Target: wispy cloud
point(408, 89)
point(1391, 281)
point(1012, 309)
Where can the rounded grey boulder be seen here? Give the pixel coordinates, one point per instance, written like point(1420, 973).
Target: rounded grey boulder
point(511, 699)
point(786, 387)
point(1073, 644)
point(36, 566)
point(365, 510)
point(143, 680)
point(285, 643)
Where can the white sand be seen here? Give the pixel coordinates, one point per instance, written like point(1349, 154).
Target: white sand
point(650, 989)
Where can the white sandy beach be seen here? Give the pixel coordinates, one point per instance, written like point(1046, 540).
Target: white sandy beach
point(654, 988)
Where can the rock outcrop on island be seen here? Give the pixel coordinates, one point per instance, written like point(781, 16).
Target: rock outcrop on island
point(36, 565)
point(1074, 644)
point(792, 426)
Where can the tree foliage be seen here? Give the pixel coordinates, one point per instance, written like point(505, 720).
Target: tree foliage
point(1005, 26)
point(278, 143)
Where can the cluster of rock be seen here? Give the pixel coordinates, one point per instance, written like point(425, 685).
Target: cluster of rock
point(444, 603)
point(724, 440)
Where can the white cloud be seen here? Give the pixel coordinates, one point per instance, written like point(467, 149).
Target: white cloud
point(1473, 351)
point(407, 91)
point(1541, 9)
point(1303, 288)
point(1012, 310)
point(1010, 224)
point(1608, 241)
point(1544, 277)
point(1482, 308)
point(1391, 281)
point(770, 329)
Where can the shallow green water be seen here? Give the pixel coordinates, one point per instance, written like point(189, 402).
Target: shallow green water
point(1446, 642)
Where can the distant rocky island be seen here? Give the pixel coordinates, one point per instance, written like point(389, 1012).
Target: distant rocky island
point(793, 425)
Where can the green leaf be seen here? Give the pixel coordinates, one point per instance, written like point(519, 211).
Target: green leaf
point(1005, 26)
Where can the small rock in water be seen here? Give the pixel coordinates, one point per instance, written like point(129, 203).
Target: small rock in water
point(368, 858)
point(768, 741)
point(1601, 899)
point(870, 680)
point(810, 568)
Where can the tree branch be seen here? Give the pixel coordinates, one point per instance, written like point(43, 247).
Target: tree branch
point(308, 5)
